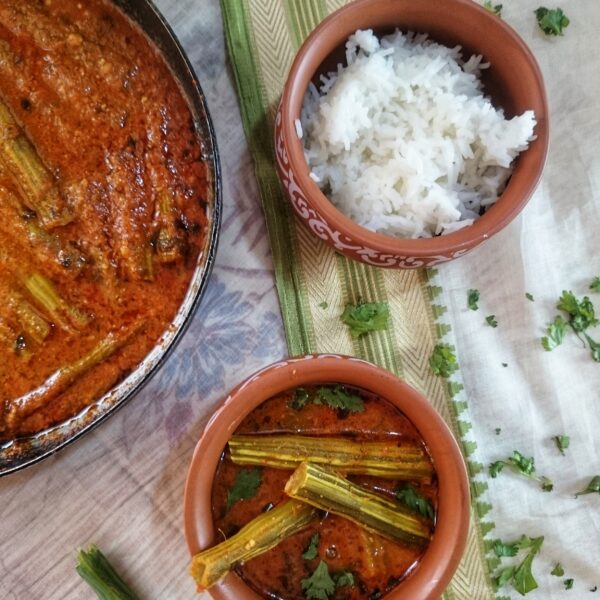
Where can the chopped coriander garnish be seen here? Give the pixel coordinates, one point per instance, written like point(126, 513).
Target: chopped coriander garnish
point(558, 570)
point(501, 549)
point(505, 365)
point(443, 360)
point(473, 299)
point(495, 9)
point(569, 583)
point(343, 579)
point(312, 551)
point(339, 398)
point(245, 486)
point(505, 576)
point(594, 347)
point(336, 397)
point(556, 334)
point(521, 576)
point(595, 285)
point(415, 501)
point(529, 297)
point(581, 312)
point(366, 316)
point(551, 21)
point(592, 488)
point(522, 466)
point(319, 585)
point(498, 430)
point(323, 305)
point(300, 398)
point(562, 442)
point(491, 321)
point(594, 589)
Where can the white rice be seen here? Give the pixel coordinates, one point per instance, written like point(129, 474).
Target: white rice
point(403, 141)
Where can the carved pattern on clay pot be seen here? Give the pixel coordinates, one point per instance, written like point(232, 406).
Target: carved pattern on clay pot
point(340, 242)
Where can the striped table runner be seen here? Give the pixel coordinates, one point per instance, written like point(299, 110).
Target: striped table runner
point(314, 283)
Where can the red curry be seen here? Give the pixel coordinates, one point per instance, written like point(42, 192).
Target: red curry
point(377, 564)
point(103, 205)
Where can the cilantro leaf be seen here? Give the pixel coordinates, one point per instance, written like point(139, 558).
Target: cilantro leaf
point(498, 430)
point(556, 334)
point(319, 585)
point(523, 579)
point(415, 501)
point(594, 347)
point(300, 398)
point(558, 570)
point(501, 549)
point(495, 468)
point(595, 285)
point(592, 488)
point(245, 486)
point(568, 583)
point(505, 576)
point(522, 466)
point(313, 548)
point(443, 360)
point(339, 398)
point(581, 312)
point(344, 578)
point(491, 321)
point(323, 305)
point(551, 21)
point(473, 299)
point(562, 442)
point(521, 576)
point(529, 297)
point(366, 316)
point(495, 9)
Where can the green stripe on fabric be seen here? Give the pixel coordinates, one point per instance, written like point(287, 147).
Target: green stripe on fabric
point(427, 277)
point(304, 17)
point(277, 211)
point(358, 281)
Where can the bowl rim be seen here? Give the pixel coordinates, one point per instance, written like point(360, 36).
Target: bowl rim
point(440, 560)
point(467, 237)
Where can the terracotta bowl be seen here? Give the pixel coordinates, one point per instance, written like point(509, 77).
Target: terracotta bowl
point(514, 82)
point(443, 554)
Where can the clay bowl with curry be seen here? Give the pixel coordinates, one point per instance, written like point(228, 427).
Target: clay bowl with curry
point(325, 476)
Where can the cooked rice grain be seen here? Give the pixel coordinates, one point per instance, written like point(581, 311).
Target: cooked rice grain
point(404, 142)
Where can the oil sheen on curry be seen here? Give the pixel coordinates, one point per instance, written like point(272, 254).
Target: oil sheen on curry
point(103, 205)
point(351, 489)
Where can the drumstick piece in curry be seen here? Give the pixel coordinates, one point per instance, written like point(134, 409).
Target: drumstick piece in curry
point(29, 319)
point(63, 378)
point(19, 273)
point(29, 175)
point(8, 335)
point(130, 212)
point(168, 239)
point(22, 327)
point(62, 313)
point(21, 226)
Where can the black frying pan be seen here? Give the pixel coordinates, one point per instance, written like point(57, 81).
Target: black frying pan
point(22, 452)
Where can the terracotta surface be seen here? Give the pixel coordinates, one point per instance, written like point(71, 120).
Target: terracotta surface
point(514, 83)
point(445, 550)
